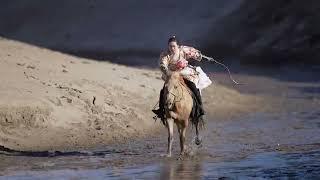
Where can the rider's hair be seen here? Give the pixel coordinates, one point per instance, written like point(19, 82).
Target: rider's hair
point(173, 39)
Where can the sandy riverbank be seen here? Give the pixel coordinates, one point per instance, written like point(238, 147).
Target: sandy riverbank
point(54, 101)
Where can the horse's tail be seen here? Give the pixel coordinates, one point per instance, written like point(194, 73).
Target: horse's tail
point(196, 115)
point(199, 122)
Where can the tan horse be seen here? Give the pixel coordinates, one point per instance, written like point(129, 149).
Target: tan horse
point(178, 107)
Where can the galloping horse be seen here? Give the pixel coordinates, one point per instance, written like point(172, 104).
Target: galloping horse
point(178, 106)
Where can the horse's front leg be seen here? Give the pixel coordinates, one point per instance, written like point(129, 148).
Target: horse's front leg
point(182, 140)
point(170, 136)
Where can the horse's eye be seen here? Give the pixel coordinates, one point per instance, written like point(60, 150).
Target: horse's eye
point(175, 87)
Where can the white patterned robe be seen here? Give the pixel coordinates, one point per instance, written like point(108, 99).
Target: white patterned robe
point(194, 74)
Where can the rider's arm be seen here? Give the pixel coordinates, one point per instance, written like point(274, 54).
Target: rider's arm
point(164, 62)
point(191, 53)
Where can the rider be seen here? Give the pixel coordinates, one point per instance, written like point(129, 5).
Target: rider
point(176, 58)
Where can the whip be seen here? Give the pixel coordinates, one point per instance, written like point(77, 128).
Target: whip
point(230, 76)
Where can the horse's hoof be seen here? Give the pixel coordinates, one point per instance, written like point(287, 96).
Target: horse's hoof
point(180, 158)
point(165, 155)
point(198, 141)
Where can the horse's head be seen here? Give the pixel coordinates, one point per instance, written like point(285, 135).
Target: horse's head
point(171, 88)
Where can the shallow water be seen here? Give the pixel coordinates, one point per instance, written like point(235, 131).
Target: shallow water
point(258, 146)
point(264, 165)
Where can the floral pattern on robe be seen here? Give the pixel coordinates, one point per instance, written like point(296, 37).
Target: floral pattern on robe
point(194, 74)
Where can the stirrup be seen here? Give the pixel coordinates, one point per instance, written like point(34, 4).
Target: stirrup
point(158, 113)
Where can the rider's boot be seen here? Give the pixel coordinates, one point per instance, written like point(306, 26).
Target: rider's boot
point(160, 112)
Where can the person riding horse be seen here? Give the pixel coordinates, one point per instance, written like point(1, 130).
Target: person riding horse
point(176, 58)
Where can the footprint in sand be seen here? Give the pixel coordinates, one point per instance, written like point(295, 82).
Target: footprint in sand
point(85, 62)
point(21, 64)
point(30, 76)
point(97, 125)
point(56, 101)
point(69, 100)
point(31, 67)
point(146, 74)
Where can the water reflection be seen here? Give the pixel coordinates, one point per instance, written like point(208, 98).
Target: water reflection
point(181, 170)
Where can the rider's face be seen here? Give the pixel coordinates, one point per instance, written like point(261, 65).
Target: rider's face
point(173, 47)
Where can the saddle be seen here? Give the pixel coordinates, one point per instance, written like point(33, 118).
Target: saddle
point(197, 109)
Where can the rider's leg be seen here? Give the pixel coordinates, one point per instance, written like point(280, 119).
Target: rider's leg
point(160, 112)
point(197, 93)
point(161, 100)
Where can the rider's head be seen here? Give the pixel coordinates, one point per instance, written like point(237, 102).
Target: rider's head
point(173, 44)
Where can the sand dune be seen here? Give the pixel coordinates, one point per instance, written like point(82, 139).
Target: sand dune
point(54, 101)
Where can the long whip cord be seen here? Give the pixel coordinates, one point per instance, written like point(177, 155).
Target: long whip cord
point(226, 67)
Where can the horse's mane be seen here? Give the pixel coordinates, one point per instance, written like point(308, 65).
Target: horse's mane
point(179, 79)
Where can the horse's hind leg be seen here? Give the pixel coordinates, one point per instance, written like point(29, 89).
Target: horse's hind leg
point(170, 135)
point(198, 139)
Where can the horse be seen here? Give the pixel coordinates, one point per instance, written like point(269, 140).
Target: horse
point(178, 107)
